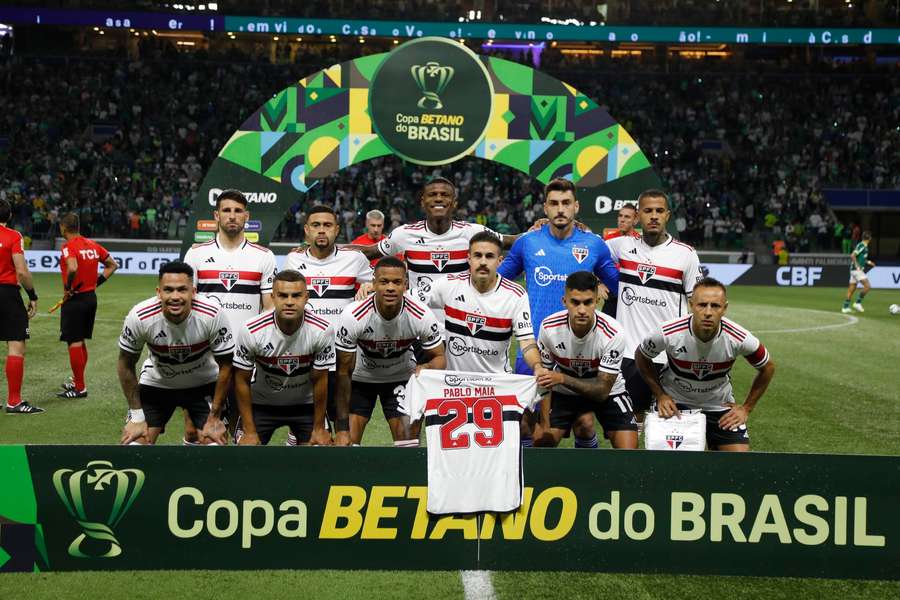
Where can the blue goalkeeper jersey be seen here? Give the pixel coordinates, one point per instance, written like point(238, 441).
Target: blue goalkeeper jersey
point(547, 261)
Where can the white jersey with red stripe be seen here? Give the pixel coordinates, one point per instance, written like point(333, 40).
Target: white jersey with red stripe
point(698, 373)
point(234, 278)
point(282, 364)
point(655, 283)
point(479, 327)
point(472, 425)
point(332, 281)
point(385, 346)
point(180, 354)
point(600, 351)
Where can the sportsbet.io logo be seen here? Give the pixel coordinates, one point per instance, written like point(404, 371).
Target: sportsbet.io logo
point(97, 497)
point(431, 100)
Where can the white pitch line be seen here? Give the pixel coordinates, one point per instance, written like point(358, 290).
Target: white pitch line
point(851, 320)
point(477, 585)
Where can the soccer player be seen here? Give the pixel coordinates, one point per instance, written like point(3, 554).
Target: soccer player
point(374, 343)
point(657, 274)
point(288, 351)
point(14, 324)
point(482, 312)
point(190, 346)
point(80, 257)
point(859, 260)
point(581, 350)
point(702, 348)
point(625, 220)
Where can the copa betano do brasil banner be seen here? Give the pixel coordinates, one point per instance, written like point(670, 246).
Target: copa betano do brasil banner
point(70, 508)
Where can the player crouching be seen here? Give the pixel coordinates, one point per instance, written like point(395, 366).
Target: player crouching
point(288, 350)
point(186, 336)
point(701, 349)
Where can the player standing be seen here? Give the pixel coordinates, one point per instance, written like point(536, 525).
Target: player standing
point(657, 274)
point(80, 257)
point(374, 342)
point(289, 351)
point(701, 349)
point(582, 350)
point(859, 260)
point(190, 346)
point(14, 324)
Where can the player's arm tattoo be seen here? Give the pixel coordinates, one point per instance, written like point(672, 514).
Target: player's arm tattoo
point(597, 388)
point(760, 383)
point(222, 384)
point(346, 362)
point(127, 379)
point(531, 354)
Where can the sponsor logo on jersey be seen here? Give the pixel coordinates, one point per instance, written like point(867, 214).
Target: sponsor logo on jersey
point(701, 368)
point(645, 272)
point(543, 276)
point(288, 364)
point(580, 253)
point(475, 323)
point(211, 259)
point(680, 350)
point(540, 253)
point(674, 441)
point(159, 335)
point(460, 298)
point(228, 279)
point(179, 352)
point(440, 259)
point(561, 346)
point(629, 297)
point(319, 284)
point(457, 347)
point(457, 380)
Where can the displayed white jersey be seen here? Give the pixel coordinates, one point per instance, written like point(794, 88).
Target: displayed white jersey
point(698, 373)
point(385, 346)
point(332, 281)
point(234, 278)
point(654, 285)
point(600, 350)
point(180, 354)
point(472, 428)
point(281, 363)
point(479, 327)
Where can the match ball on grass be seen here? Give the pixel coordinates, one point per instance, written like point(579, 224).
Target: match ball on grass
point(894, 309)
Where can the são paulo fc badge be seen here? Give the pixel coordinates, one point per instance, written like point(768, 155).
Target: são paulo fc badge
point(580, 253)
point(319, 284)
point(228, 279)
point(440, 259)
point(701, 369)
point(673, 441)
point(475, 323)
point(645, 272)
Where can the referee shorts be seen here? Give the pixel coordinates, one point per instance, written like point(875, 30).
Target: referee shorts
point(77, 316)
point(14, 322)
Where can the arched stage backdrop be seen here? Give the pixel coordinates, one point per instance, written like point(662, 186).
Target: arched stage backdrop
point(430, 101)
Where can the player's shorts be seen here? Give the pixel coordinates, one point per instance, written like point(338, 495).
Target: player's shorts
point(160, 403)
point(296, 417)
point(363, 396)
point(77, 316)
point(638, 390)
point(715, 435)
point(14, 323)
point(615, 414)
point(857, 276)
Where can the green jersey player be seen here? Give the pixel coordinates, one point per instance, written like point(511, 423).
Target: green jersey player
point(859, 260)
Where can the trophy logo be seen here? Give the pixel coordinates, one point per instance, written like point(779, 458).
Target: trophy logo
point(432, 80)
point(97, 497)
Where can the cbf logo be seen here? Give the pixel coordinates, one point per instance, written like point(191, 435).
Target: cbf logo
point(440, 259)
point(97, 497)
point(645, 272)
point(228, 279)
point(701, 369)
point(288, 364)
point(386, 347)
point(674, 441)
point(179, 352)
point(432, 80)
point(475, 323)
point(580, 254)
point(319, 285)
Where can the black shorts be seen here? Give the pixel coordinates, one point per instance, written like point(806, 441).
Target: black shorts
point(615, 414)
point(363, 396)
point(638, 390)
point(77, 314)
point(715, 435)
point(160, 403)
point(14, 322)
point(267, 418)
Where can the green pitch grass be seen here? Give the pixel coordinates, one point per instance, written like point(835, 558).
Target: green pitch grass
point(835, 391)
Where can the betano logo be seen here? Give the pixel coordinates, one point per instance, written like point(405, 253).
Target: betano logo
point(85, 492)
point(252, 197)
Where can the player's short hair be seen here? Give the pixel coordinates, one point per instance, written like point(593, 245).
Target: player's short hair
point(321, 208)
point(867, 235)
point(711, 282)
point(653, 193)
point(289, 276)
point(628, 205)
point(176, 267)
point(71, 222)
point(559, 185)
point(438, 179)
point(390, 262)
point(5, 211)
point(231, 194)
point(375, 215)
point(485, 236)
point(582, 281)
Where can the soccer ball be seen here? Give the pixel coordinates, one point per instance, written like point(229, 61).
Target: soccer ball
point(894, 309)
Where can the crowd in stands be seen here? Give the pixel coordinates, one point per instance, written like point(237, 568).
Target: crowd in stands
point(749, 149)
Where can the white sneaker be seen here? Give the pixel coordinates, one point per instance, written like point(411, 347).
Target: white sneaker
point(858, 307)
point(846, 310)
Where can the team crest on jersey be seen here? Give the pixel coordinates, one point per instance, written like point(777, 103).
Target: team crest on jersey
point(228, 279)
point(674, 441)
point(386, 347)
point(645, 272)
point(701, 369)
point(580, 365)
point(319, 284)
point(475, 323)
point(180, 352)
point(288, 364)
point(580, 253)
point(440, 259)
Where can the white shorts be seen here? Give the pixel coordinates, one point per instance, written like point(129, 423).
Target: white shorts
point(857, 276)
